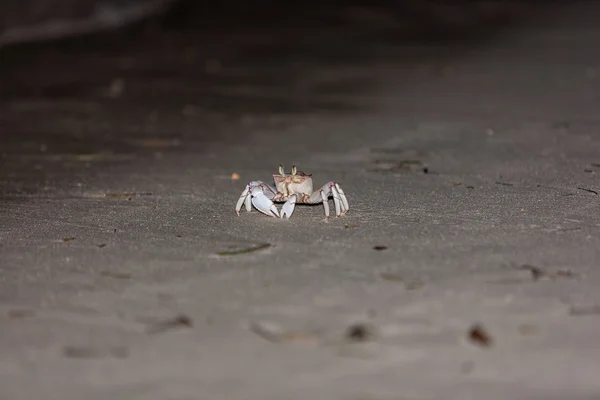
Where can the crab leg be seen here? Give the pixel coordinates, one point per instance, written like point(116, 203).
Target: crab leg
point(322, 195)
point(324, 199)
point(244, 198)
point(345, 206)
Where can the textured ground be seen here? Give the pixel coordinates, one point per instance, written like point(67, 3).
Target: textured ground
point(467, 267)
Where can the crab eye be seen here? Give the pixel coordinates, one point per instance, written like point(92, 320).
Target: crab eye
point(281, 170)
point(294, 170)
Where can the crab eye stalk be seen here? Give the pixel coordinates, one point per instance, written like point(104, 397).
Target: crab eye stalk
point(294, 170)
point(281, 170)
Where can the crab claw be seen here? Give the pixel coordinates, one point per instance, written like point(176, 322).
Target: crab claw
point(288, 207)
point(263, 204)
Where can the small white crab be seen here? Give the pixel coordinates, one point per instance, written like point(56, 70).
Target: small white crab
point(293, 188)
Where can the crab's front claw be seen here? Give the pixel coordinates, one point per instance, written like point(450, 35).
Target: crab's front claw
point(288, 207)
point(263, 203)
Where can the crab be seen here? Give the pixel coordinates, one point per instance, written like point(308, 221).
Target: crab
point(292, 188)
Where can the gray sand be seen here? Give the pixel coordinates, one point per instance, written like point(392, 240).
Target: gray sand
point(502, 232)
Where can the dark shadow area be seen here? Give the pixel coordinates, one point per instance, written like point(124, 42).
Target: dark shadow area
point(201, 46)
point(174, 78)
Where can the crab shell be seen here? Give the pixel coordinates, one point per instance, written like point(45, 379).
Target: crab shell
point(297, 182)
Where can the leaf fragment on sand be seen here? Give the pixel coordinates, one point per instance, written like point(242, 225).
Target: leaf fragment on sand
point(117, 195)
point(360, 332)
point(275, 334)
point(157, 143)
point(585, 310)
point(414, 285)
point(81, 352)
point(564, 273)
point(95, 157)
point(20, 313)
point(116, 275)
point(577, 228)
point(180, 321)
point(246, 250)
point(389, 276)
point(395, 165)
point(479, 336)
point(68, 239)
point(265, 331)
point(588, 190)
point(536, 272)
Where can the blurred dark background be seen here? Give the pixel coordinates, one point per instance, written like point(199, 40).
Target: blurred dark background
point(62, 48)
point(45, 20)
point(90, 77)
point(35, 20)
